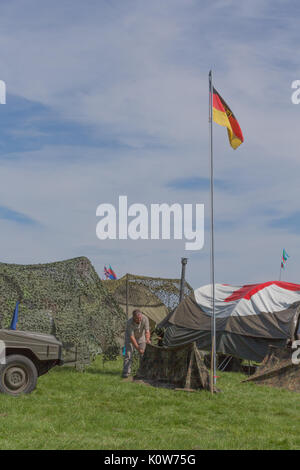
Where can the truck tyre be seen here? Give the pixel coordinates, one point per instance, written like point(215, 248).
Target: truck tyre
point(18, 375)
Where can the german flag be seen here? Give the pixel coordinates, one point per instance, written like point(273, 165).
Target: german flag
point(223, 115)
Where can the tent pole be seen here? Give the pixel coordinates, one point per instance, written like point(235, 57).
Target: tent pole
point(213, 325)
point(127, 295)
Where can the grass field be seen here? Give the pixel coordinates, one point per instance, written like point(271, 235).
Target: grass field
point(97, 410)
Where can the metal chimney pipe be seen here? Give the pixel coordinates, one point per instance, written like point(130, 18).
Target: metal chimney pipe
point(183, 265)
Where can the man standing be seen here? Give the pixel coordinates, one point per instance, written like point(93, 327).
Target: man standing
point(137, 335)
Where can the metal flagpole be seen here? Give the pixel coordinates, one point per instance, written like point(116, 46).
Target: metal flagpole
point(213, 323)
point(280, 272)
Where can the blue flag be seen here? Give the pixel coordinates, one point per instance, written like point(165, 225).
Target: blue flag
point(13, 325)
point(284, 258)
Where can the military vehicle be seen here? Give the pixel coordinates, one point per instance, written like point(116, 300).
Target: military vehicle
point(24, 356)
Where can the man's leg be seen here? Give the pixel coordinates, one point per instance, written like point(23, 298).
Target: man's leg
point(127, 360)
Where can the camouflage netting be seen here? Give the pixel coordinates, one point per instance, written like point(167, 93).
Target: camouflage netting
point(67, 299)
point(277, 370)
point(180, 367)
point(160, 296)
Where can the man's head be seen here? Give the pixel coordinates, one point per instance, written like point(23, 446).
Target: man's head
point(137, 316)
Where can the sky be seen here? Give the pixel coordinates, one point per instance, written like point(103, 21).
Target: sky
point(108, 98)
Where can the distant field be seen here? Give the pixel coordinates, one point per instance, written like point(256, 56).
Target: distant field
point(97, 410)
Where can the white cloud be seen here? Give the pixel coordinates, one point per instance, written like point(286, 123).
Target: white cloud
point(138, 74)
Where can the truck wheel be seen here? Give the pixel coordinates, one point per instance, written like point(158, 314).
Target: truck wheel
point(18, 375)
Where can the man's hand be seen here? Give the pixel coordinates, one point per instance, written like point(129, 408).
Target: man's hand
point(134, 342)
point(141, 351)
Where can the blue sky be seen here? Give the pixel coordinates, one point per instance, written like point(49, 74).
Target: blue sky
point(106, 98)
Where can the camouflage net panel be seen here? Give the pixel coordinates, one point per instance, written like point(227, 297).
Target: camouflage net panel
point(152, 292)
point(277, 370)
point(67, 299)
point(180, 367)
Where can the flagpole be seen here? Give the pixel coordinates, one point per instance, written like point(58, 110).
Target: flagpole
point(280, 272)
point(213, 323)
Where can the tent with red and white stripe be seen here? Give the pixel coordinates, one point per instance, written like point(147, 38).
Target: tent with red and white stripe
point(249, 318)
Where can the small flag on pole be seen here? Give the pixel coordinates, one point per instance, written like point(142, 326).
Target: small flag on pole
point(112, 273)
point(109, 273)
point(284, 258)
point(13, 325)
point(223, 115)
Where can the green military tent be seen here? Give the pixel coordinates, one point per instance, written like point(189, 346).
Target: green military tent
point(64, 298)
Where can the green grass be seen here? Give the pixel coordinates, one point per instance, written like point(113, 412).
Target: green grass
point(97, 410)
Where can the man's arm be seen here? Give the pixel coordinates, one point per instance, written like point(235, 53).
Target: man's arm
point(147, 334)
point(147, 331)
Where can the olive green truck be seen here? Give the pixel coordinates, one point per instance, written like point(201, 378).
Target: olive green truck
point(24, 356)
